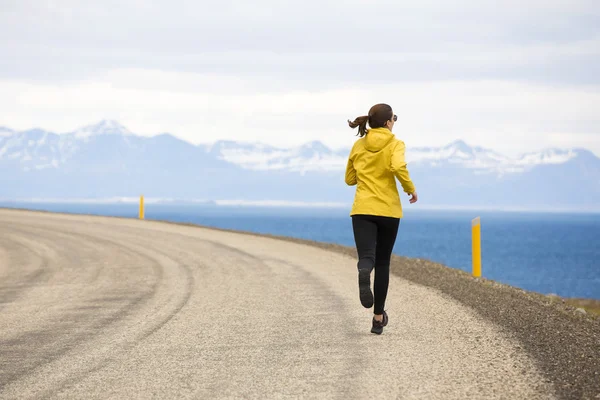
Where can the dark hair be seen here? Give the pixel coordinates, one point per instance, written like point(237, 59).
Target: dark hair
point(379, 114)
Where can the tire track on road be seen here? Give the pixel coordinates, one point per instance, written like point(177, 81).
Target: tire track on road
point(161, 261)
point(73, 325)
point(10, 290)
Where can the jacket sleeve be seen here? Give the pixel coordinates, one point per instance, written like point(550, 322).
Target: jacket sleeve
point(398, 167)
point(350, 171)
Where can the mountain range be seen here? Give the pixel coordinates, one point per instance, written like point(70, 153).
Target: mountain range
point(107, 160)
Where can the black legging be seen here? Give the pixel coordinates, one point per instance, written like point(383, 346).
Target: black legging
point(375, 237)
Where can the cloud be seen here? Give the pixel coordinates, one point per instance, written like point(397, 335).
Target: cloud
point(512, 75)
point(311, 41)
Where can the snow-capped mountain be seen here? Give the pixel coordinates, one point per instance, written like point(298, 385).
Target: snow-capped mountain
point(107, 160)
point(459, 153)
point(551, 156)
point(313, 156)
point(105, 127)
point(478, 158)
point(37, 149)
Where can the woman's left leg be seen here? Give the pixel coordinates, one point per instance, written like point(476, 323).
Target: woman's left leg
point(365, 236)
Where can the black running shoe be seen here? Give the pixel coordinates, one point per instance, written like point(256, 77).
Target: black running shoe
point(377, 327)
point(364, 287)
point(385, 319)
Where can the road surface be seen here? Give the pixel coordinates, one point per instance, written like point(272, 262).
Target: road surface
point(96, 307)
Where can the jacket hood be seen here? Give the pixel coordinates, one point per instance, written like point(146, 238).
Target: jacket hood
point(377, 138)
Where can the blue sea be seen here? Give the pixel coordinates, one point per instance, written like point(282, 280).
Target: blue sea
point(543, 252)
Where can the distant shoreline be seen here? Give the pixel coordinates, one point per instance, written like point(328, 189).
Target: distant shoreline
point(278, 204)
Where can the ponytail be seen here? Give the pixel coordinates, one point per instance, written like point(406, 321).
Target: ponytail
point(361, 122)
point(378, 116)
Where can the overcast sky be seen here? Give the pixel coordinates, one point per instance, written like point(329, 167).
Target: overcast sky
point(512, 75)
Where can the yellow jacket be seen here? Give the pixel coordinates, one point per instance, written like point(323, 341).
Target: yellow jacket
point(374, 162)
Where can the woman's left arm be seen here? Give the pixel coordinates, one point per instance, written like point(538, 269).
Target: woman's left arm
point(350, 171)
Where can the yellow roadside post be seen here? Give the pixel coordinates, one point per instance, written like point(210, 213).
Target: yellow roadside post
point(476, 238)
point(476, 248)
point(142, 207)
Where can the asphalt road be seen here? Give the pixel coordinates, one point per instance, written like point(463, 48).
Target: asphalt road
point(94, 307)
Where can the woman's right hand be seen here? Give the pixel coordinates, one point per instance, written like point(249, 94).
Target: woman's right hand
point(413, 197)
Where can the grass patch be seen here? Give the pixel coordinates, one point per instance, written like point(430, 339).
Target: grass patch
point(589, 305)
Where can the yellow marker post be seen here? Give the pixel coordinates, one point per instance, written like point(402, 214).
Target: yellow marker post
point(141, 207)
point(476, 238)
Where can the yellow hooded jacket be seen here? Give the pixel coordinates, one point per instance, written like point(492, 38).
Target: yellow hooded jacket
point(374, 162)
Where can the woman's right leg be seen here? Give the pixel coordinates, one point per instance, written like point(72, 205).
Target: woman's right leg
point(365, 237)
point(386, 238)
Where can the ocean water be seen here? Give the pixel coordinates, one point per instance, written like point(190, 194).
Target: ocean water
point(543, 252)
